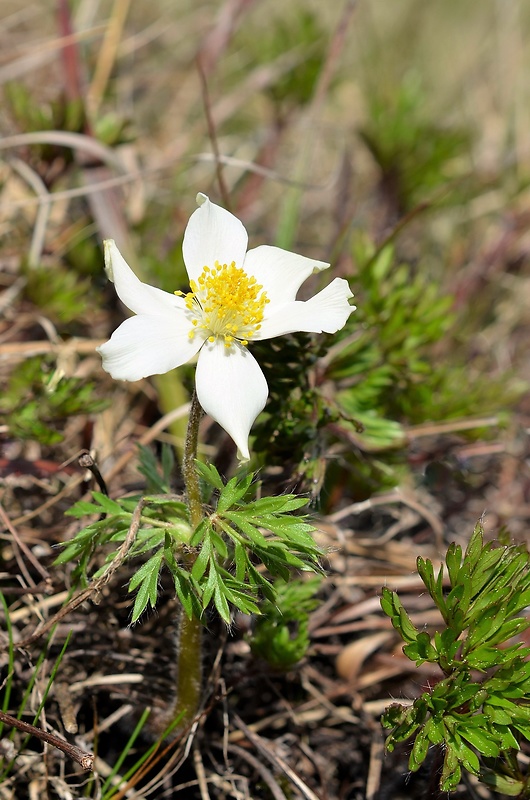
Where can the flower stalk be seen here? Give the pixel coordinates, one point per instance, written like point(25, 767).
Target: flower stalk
point(189, 472)
point(189, 643)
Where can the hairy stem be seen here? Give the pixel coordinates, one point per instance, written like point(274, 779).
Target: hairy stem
point(191, 479)
point(189, 647)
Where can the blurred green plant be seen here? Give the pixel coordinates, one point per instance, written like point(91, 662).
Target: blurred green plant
point(382, 371)
point(296, 411)
point(392, 365)
point(59, 114)
point(31, 115)
point(225, 545)
point(37, 401)
point(415, 155)
point(387, 363)
point(477, 724)
point(301, 37)
point(281, 634)
point(60, 292)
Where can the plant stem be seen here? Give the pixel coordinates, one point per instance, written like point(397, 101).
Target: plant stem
point(189, 649)
point(191, 479)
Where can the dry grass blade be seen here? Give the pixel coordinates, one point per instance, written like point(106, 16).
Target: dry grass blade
point(266, 748)
point(75, 141)
point(265, 774)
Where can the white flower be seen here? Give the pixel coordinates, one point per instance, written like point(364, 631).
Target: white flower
point(236, 297)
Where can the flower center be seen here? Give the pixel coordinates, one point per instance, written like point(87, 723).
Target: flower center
point(225, 302)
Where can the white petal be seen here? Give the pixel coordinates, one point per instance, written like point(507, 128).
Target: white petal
point(148, 345)
point(232, 389)
point(139, 297)
point(280, 272)
point(212, 234)
point(327, 311)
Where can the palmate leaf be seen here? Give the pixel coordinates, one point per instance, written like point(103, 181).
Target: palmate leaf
point(219, 563)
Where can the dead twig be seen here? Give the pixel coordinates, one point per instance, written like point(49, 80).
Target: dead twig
point(85, 759)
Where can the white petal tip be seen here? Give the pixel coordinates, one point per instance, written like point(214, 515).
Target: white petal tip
point(201, 199)
point(108, 246)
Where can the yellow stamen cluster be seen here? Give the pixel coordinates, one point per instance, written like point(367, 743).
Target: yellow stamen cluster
point(226, 302)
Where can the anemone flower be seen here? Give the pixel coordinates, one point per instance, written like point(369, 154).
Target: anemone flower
point(236, 298)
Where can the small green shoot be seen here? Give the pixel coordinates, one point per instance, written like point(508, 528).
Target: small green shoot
point(37, 400)
point(480, 709)
point(281, 633)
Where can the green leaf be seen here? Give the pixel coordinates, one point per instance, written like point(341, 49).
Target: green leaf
point(405, 721)
point(483, 658)
point(108, 505)
point(469, 759)
point(486, 567)
point(419, 750)
point(474, 548)
point(434, 585)
point(265, 586)
point(185, 593)
point(202, 560)
point(481, 740)
point(246, 527)
point(453, 560)
point(222, 605)
point(241, 561)
point(523, 728)
point(210, 475)
point(289, 528)
point(200, 532)
point(393, 608)
point(146, 579)
point(235, 490)
point(275, 505)
point(219, 544)
point(505, 737)
point(434, 728)
point(451, 772)
point(421, 650)
point(83, 509)
point(497, 715)
point(502, 783)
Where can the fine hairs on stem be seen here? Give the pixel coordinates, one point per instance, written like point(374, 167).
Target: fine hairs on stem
point(189, 634)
